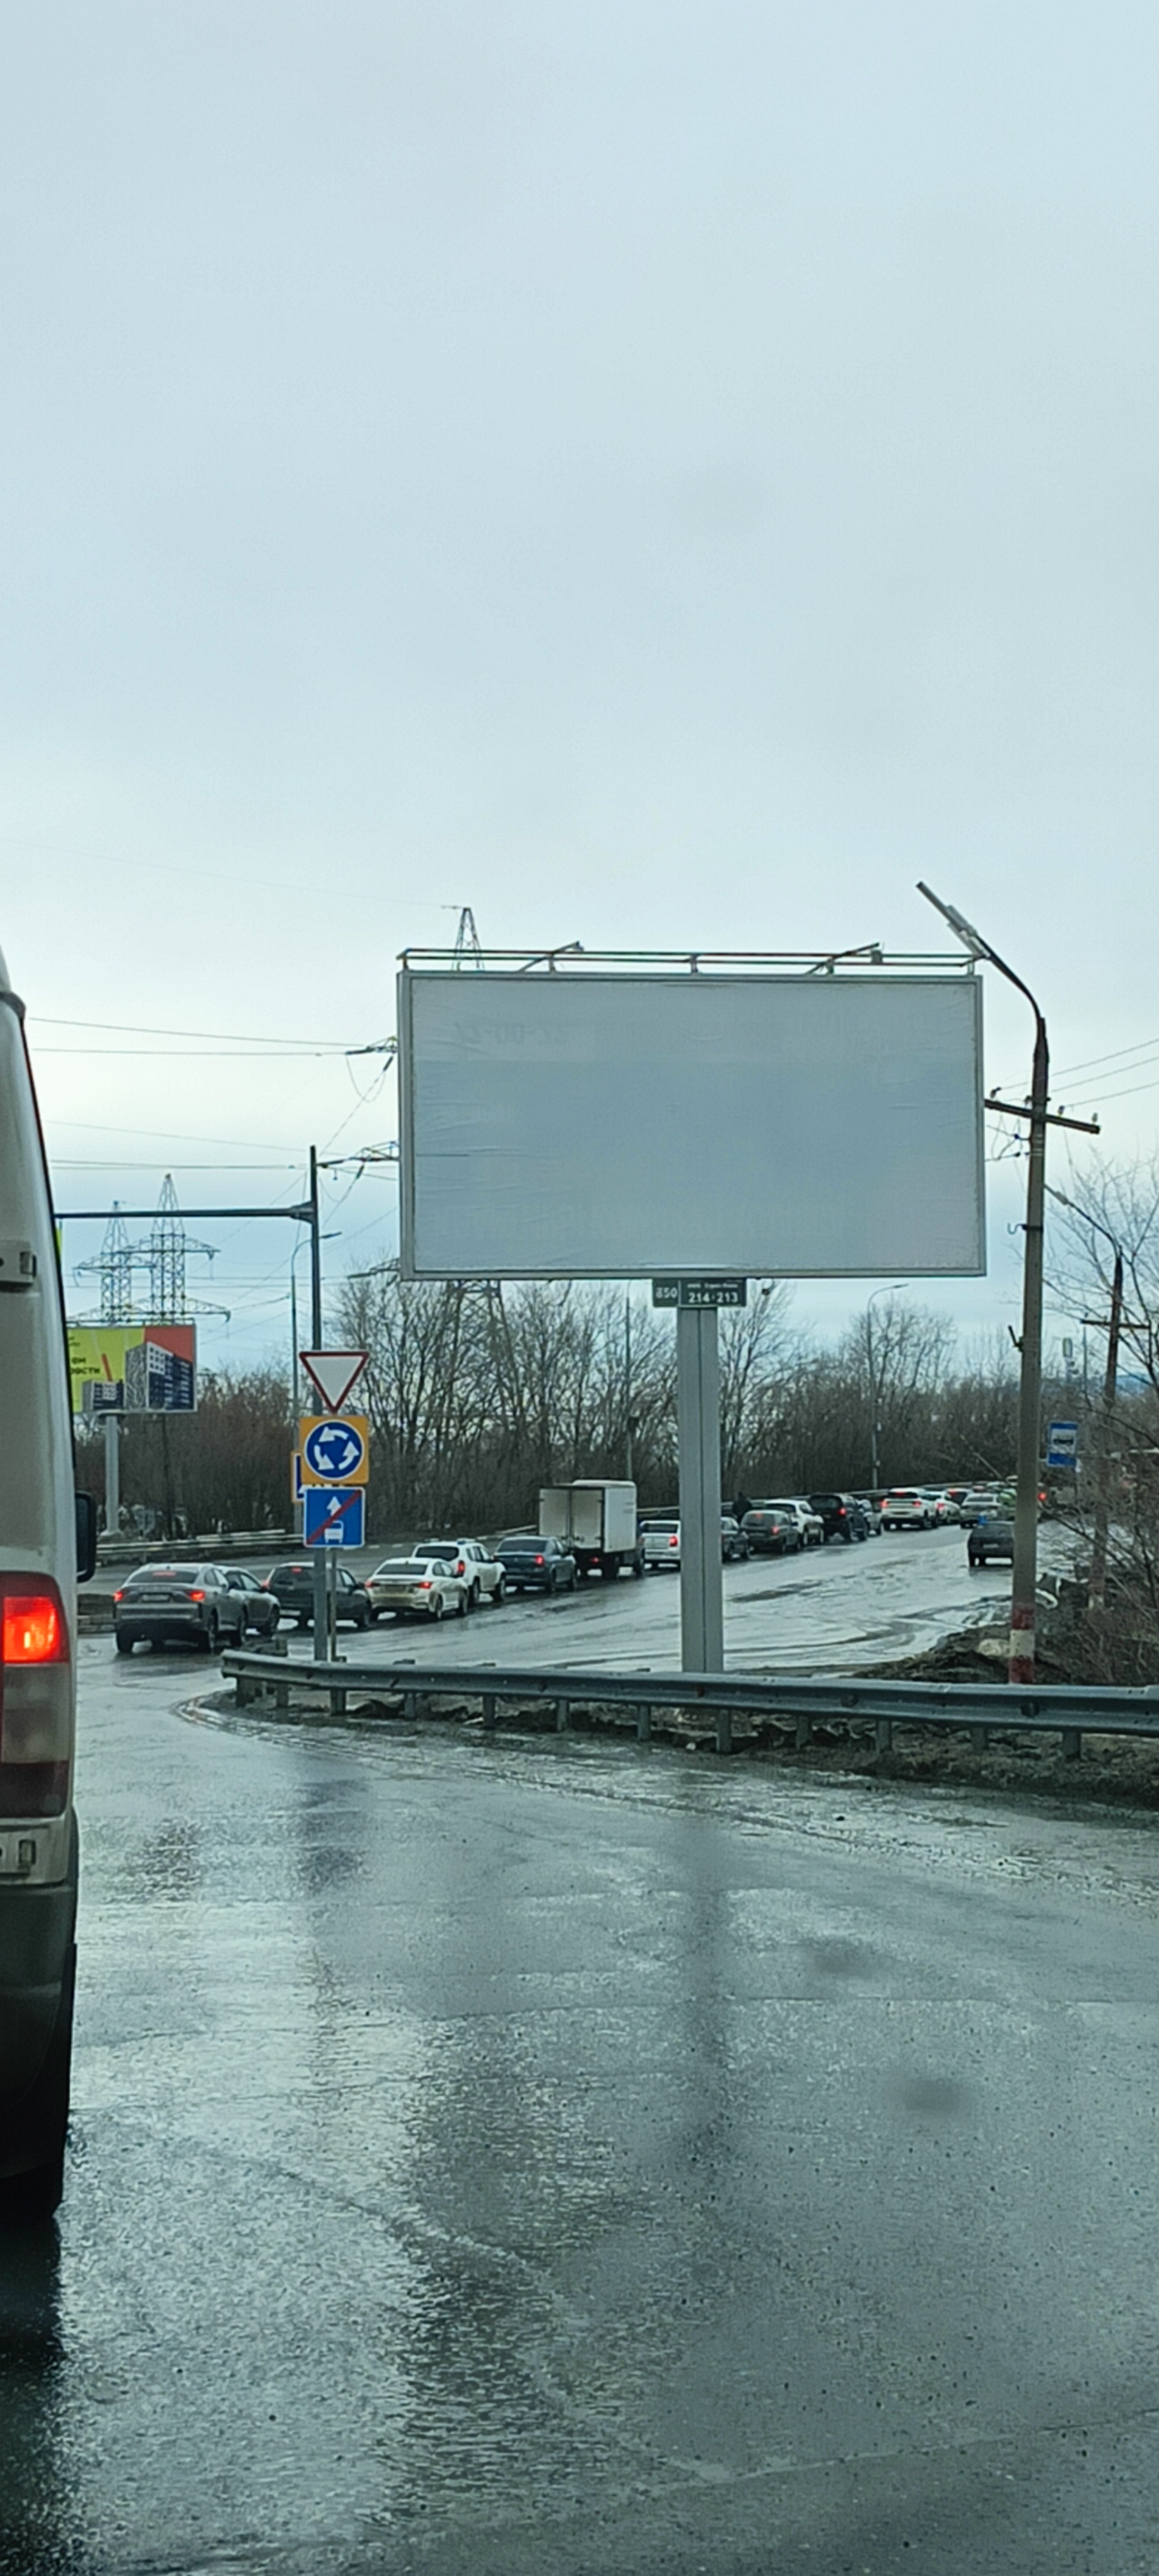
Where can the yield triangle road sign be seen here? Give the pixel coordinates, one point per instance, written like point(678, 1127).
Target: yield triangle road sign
point(333, 1373)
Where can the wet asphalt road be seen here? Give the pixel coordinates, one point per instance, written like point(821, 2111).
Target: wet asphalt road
point(833, 1609)
point(492, 2157)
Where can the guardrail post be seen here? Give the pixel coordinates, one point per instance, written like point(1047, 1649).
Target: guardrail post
point(410, 1705)
point(723, 1727)
point(488, 1710)
point(643, 1722)
point(1072, 1744)
point(804, 1729)
point(282, 1697)
point(561, 1716)
point(884, 1734)
point(337, 1701)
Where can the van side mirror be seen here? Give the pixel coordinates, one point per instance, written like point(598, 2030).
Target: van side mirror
point(86, 1537)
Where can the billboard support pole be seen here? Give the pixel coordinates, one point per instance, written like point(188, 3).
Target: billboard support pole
point(112, 1474)
point(321, 1579)
point(698, 1419)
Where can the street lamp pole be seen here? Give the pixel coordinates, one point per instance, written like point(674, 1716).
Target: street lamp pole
point(1024, 1584)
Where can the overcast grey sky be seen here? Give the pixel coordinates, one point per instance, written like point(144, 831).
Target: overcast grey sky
point(660, 474)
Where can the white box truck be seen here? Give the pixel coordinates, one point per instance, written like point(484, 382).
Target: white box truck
point(596, 1519)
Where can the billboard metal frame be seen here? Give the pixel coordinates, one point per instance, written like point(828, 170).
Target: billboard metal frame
point(702, 1633)
point(860, 965)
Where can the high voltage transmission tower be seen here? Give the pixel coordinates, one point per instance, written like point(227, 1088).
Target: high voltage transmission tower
point(165, 1256)
point(161, 1257)
point(468, 946)
point(113, 1265)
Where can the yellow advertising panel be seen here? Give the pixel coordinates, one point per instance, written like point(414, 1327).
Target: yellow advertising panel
point(133, 1368)
point(334, 1448)
point(96, 1356)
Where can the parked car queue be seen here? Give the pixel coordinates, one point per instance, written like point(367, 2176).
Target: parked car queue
point(211, 1606)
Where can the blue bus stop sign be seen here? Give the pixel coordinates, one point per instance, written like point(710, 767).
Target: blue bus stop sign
point(334, 1518)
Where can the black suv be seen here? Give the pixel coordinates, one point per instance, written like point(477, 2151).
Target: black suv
point(842, 1516)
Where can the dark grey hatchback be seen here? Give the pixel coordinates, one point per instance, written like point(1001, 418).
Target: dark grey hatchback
point(167, 1604)
point(532, 1564)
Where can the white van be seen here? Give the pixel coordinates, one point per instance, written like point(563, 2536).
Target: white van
point(42, 1530)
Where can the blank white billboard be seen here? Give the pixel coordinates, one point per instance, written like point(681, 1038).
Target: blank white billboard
point(620, 1126)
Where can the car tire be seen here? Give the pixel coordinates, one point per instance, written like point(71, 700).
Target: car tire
point(497, 1596)
point(43, 2112)
point(464, 1604)
point(303, 1622)
point(212, 1637)
point(436, 1608)
point(125, 1644)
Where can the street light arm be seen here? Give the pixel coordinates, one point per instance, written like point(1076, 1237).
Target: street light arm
point(978, 947)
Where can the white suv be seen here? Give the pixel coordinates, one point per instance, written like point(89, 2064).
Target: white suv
point(472, 1562)
point(906, 1507)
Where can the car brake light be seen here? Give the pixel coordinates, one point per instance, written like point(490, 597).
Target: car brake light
point(673, 1541)
point(33, 1629)
point(35, 1697)
point(118, 1596)
point(539, 1560)
point(195, 1596)
point(425, 1585)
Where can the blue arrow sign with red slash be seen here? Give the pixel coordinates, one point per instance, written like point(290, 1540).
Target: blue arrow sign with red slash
point(334, 1519)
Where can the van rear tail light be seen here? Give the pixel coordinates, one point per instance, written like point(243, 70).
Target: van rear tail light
point(32, 1627)
point(35, 1697)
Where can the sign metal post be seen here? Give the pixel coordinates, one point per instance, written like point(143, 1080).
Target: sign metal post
point(698, 1418)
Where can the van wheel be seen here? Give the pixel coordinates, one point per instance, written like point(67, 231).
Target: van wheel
point(43, 2115)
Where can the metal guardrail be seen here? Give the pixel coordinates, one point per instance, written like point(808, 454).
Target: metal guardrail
point(210, 1547)
point(1065, 1709)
